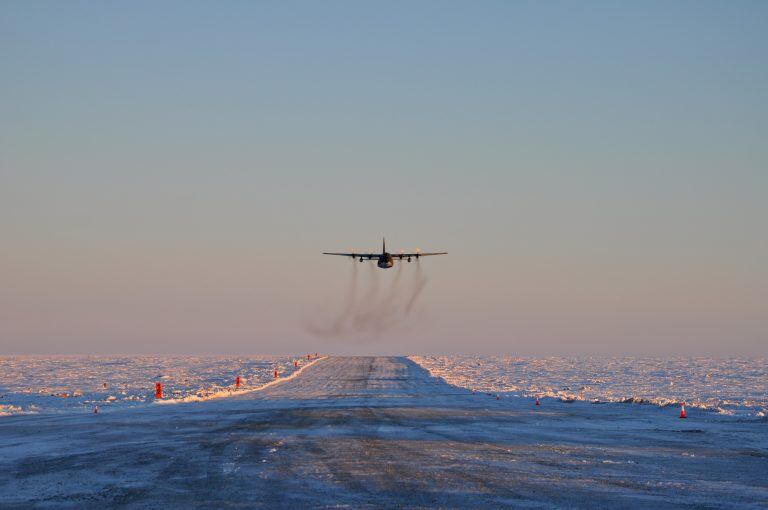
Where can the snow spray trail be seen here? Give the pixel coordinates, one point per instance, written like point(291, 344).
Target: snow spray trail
point(350, 301)
point(378, 315)
point(419, 282)
point(338, 326)
point(376, 311)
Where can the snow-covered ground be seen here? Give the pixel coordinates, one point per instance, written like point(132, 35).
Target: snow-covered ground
point(733, 386)
point(35, 384)
point(42, 384)
point(380, 432)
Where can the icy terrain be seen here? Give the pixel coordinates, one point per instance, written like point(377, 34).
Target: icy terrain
point(41, 384)
point(367, 432)
point(728, 386)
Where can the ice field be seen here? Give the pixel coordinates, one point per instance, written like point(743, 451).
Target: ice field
point(734, 386)
point(379, 432)
point(40, 384)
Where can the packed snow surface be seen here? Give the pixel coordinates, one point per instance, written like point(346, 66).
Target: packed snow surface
point(735, 386)
point(40, 384)
point(34, 384)
point(380, 432)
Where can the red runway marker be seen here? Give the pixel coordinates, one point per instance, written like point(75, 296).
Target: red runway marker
point(682, 410)
point(237, 381)
point(158, 390)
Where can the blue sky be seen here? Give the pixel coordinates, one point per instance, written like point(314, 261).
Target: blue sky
point(597, 171)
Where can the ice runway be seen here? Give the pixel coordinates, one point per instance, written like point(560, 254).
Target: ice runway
point(380, 432)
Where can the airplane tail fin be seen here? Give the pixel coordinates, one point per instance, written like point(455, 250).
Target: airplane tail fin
point(383, 245)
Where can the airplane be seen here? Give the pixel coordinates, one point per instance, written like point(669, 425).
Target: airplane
point(386, 260)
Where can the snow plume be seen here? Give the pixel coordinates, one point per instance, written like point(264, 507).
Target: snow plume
point(419, 282)
point(374, 304)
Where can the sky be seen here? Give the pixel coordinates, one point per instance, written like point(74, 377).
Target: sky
point(171, 172)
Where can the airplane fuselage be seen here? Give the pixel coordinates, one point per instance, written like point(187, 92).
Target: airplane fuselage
point(385, 261)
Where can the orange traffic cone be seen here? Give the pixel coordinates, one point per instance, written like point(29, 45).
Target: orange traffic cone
point(682, 410)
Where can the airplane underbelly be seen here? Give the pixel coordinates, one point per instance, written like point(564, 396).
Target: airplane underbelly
point(385, 264)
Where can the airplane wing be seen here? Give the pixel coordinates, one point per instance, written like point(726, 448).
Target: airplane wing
point(394, 255)
point(364, 255)
point(417, 254)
